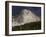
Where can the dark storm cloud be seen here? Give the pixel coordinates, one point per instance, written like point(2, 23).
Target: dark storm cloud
point(16, 10)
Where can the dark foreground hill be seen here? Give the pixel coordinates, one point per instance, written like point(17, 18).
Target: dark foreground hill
point(28, 26)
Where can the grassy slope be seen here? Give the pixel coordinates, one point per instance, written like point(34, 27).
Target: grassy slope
point(28, 26)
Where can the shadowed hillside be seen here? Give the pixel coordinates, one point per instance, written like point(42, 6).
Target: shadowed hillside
point(28, 26)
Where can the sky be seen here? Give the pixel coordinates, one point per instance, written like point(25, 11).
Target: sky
point(16, 10)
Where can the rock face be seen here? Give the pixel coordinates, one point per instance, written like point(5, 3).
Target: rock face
point(26, 17)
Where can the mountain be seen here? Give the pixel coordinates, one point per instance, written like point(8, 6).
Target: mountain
point(26, 16)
